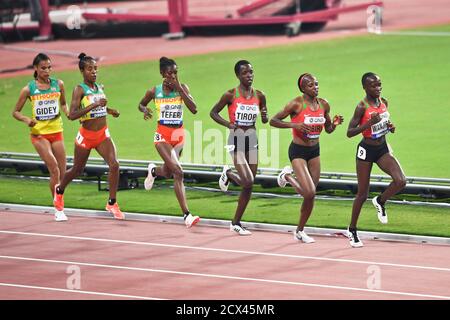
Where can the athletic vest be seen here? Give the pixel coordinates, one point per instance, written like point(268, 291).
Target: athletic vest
point(244, 112)
point(45, 108)
point(378, 129)
point(91, 96)
point(314, 119)
point(169, 107)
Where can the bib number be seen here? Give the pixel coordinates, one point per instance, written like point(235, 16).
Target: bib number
point(362, 153)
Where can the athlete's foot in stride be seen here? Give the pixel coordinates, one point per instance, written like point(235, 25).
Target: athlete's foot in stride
point(151, 175)
point(239, 229)
point(58, 199)
point(381, 211)
point(190, 220)
point(60, 216)
point(113, 208)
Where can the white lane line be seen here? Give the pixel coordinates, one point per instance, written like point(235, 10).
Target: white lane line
point(228, 251)
point(218, 276)
point(77, 291)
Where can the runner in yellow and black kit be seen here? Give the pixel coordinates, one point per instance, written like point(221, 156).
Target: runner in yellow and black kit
point(89, 105)
point(169, 136)
point(47, 98)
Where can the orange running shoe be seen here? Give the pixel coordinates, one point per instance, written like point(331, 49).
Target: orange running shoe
point(58, 200)
point(115, 210)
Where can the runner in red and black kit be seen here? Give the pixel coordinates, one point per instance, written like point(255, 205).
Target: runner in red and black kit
point(244, 104)
point(371, 118)
point(309, 116)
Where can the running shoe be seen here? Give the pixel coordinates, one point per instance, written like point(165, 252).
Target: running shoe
point(115, 210)
point(281, 179)
point(60, 216)
point(224, 182)
point(58, 200)
point(191, 220)
point(148, 182)
point(239, 229)
point(302, 236)
point(381, 211)
point(355, 242)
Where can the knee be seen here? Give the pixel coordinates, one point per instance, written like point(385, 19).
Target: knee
point(114, 165)
point(77, 170)
point(177, 173)
point(362, 196)
point(400, 182)
point(53, 170)
point(309, 194)
point(247, 183)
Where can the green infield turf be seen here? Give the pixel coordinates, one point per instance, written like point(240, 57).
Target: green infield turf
point(414, 71)
point(161, 200)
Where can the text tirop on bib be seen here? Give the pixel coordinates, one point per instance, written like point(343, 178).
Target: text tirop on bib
point(245, 115)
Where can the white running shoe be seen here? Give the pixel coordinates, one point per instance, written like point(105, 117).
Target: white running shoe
point(224, 182)
point(239, 229)
point(191, 220)
point(381, 211)
point(60, 216)
point(281, 179)
point(355, 242)
point(302, 236)
point(148, 182)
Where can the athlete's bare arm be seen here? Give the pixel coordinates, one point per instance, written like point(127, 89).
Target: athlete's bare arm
point(290, 109)
point(262, 106)
point(187, 98)
point(149, 96)
point(225, 100)
point(76, 111)
point(62, 98)
point(17, 111)
point(330, 125)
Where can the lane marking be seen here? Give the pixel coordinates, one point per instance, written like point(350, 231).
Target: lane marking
point(218, 276)
point(77, 291)
point(228, 251)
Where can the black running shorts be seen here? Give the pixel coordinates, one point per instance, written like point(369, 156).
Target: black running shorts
point(370, 153)
point(303, 152)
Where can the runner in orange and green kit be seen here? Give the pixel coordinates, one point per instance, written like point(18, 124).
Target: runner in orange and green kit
point(89, 104)
point(169, 98)
point(47, 98)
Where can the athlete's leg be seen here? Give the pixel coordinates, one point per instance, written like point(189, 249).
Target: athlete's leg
point(80, 158)
point(107, 151)
point(44, 149)
point(170, 158)
point(389, 164)
point(59, 152)
point(363, 169)
point(245, 178)
point(304, 185)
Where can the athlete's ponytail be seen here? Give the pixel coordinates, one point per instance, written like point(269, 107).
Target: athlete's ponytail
point(40, 57)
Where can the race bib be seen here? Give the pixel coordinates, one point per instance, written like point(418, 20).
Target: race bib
point(246, 114)
point(171, 114)
point(46, 109)
point(381, 128)
point(316, 125)
point(98, 112)
point(362, 153)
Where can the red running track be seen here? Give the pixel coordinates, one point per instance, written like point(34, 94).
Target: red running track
point(99, 258)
